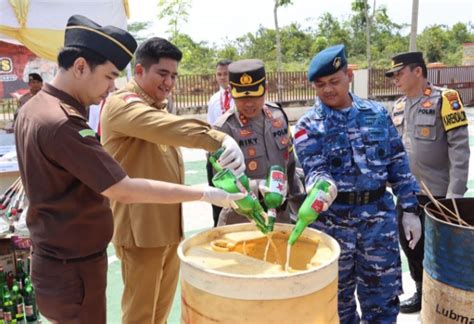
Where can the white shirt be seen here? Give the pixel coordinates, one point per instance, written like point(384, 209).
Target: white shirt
point(214, 107)
point(94, 116)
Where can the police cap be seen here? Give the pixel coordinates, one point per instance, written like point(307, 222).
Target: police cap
point(401, 60)
point(247, 78)
point(327, 62)
point(113, 43)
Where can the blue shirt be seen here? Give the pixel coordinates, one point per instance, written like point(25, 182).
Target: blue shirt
point(359, 149)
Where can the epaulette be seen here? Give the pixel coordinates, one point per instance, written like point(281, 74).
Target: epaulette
point(279, 107)
point(70, 111)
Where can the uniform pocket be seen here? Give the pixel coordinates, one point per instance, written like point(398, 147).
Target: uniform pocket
point(425, 128)
point(377, 148)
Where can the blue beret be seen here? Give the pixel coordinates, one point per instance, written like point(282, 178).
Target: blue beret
point(327, 62)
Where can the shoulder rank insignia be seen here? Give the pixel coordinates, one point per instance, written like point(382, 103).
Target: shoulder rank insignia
point(452, 110)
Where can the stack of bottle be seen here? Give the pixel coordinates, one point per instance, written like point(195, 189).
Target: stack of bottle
point(12, 202)
point(17, 296)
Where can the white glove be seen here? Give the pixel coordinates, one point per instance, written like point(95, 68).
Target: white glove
point(256, 185)
point(220, 197)
point(326, 197)
point(232, 158)
point(412, 228)
point(453, 195)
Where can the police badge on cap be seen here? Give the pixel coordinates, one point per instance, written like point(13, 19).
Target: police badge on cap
point(247, 78)
point(401, 60)
point(113, 43)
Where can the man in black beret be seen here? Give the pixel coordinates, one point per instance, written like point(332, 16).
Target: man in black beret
point(68, 176)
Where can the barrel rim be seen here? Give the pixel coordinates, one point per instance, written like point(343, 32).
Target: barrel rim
point(429, 214)
point(278, 226)
point(274, 286)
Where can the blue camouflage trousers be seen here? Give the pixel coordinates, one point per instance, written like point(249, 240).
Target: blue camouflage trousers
point(369, 261)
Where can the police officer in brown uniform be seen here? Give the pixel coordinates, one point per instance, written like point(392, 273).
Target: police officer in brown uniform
point(263, 134)
point(139, 132)
point(67, 176)
point(433, 126)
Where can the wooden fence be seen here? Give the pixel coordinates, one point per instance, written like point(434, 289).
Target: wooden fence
point(194, 91)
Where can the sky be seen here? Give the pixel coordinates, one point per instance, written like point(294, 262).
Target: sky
point(214, 21)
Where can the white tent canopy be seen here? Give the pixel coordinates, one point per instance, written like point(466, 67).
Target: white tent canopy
point(39, 24)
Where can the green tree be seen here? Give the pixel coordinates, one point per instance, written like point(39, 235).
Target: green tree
point(139, 30)
point(434, 42)
point(176, 12)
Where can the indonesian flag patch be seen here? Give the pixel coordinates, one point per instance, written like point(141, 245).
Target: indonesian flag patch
point(300, 136)
point(129, 98)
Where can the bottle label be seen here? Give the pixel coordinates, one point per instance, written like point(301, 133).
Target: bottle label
point(7, 316)
point(19, 309)
point(29, 310)
point(317, 205)
point(277, 181)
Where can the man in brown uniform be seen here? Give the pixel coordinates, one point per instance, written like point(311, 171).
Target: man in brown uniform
point(35, 82)
point(263, 134)
point(139, 132)
point(66, 175)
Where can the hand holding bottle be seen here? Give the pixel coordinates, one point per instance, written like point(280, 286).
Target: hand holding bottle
point(319, 198)
point(232, 157)
point(220, 197)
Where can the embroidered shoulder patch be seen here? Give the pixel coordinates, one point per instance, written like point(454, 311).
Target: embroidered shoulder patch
point(452, 110)
point(87, 132)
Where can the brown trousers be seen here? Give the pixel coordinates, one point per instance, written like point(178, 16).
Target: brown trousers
point(70, 293)
point(150, 277)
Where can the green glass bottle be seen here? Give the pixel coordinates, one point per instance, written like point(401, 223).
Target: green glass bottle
point(309, 210)
point(31, 311)
point(17, 300)
point(247, 206)
point(276, 183)
point(20, 274)
point(8, 307)
point(244, 180)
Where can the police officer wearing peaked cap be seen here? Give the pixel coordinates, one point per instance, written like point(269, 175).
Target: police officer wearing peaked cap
point(352, 143)
point(433, 126)
point(262, 131)
point(69, 220)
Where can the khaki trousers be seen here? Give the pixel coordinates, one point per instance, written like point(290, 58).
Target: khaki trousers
point(150, 276)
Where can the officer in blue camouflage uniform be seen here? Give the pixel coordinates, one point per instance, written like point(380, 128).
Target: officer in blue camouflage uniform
point(352, 142)
point(433, 126)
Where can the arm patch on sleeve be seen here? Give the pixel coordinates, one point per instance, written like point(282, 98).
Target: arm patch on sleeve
point(452, 110)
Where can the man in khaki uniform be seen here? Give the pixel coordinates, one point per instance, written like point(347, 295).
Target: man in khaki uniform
point(433, 126)
point(139, 132)
point(263, 134)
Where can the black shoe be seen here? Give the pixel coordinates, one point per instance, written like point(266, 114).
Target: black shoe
point(412, 304)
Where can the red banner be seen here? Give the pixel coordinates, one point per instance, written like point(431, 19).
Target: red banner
point(16, 62)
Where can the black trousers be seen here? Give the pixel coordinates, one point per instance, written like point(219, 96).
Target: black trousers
point(415, 256)
point(216, 210)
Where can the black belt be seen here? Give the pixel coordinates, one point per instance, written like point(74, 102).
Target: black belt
point(73, 260)
point(359, 197)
